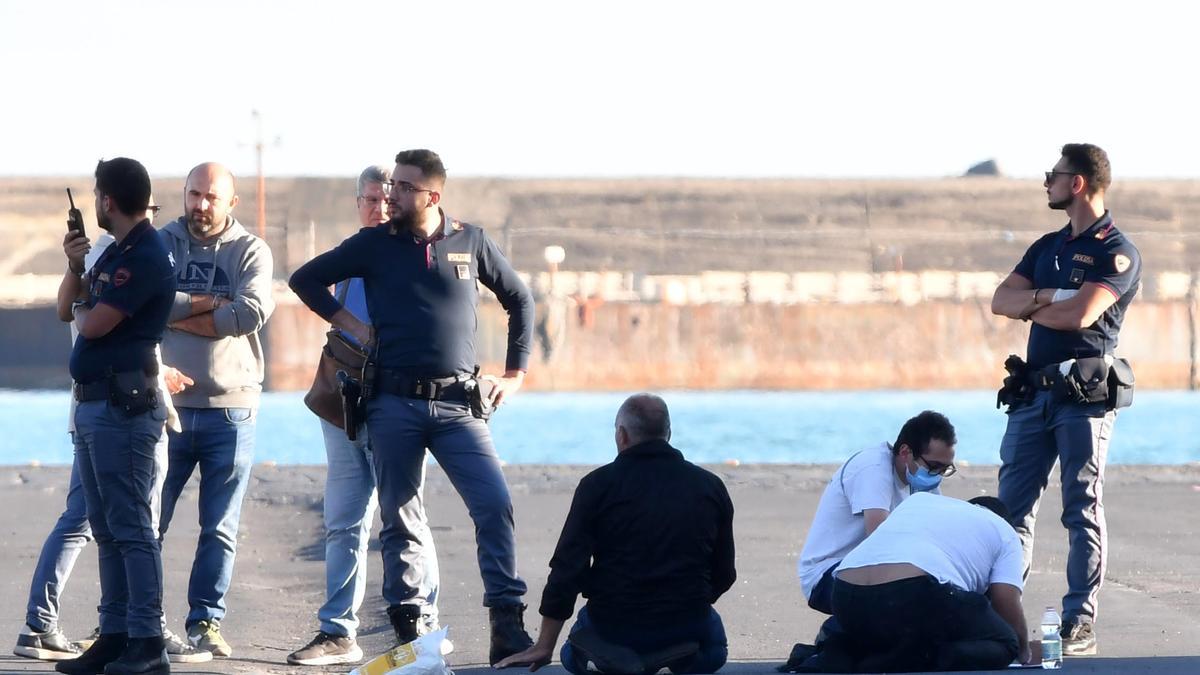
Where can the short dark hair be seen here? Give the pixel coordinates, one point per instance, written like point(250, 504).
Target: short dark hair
point(126, 182)
point(427, 161)
point(645, 417)
point(920, 430)
point(992, 504)
point(1091, 162)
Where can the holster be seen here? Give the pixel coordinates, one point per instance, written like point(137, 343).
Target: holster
point(133, 391)
point(1016, 390)
point(479, 395)
point(1086, 380)
point(1120, 385)
point(352, 404)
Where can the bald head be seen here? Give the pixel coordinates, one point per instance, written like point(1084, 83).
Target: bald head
point(208, 199)
point(641, 418)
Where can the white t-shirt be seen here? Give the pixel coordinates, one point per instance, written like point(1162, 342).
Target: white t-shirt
point(867, 480)
point(953, 541)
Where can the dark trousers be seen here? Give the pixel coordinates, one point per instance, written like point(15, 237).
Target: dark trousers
point(401, 429)
point(1075, 435)
point(708, 631)
point(917, 625)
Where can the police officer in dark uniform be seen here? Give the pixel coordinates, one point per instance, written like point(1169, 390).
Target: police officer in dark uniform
point(122, 311)
point(1074, 285)
point(420, 272)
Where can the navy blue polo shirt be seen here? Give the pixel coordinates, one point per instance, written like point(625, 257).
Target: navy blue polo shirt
point(422, 296)
point(136, 276)
point(1100, 255)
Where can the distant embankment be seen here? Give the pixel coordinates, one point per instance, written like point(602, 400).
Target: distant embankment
point(628, 346)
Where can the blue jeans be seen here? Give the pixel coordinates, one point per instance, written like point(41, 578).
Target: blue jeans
point(221, 442)
point(710, 633)
point(1075, 435)
point(70, 534)
point(120, 461)
point(401, 429)
point(350, 501)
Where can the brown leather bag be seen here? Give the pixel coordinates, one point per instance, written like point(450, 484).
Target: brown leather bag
point(325, 397)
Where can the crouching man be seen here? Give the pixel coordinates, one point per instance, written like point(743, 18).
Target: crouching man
point(936, 587)
point(649, 542)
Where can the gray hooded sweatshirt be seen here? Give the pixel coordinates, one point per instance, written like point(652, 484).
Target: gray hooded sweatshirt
point(229, 368)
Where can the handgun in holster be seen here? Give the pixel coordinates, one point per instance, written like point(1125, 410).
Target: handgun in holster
point(1017, 389)
point(351, 390)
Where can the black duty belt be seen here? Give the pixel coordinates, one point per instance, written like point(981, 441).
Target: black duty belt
point(100, 390)
point(92, 391)
point(399, 383)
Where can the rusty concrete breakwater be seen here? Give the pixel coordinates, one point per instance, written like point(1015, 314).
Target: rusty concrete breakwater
point(629, 346)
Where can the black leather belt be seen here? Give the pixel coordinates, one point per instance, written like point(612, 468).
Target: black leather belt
point(398, 383)
point(101, 390)
point(91, 391)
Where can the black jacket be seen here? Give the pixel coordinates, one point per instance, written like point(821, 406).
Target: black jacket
point(649, 538)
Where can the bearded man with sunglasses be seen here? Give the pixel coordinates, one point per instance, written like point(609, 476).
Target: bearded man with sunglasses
point(1073, 285)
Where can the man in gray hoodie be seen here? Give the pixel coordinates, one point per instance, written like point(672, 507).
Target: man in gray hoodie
point(222, 302)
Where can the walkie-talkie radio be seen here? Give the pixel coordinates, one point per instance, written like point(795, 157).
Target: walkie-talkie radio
point(74, 216)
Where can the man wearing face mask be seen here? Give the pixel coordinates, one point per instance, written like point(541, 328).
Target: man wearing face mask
point(864, 490)
point(222, 302)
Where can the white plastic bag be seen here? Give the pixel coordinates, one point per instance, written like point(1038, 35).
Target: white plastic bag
point(422, 656)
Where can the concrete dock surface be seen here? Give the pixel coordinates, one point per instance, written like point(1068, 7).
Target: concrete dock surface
point(1149, 618)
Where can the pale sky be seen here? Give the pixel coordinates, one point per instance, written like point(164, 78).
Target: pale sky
point(555, 89)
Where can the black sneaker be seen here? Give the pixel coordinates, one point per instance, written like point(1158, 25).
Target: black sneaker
point(179, 651)
point(508, 632)
point(1078, 638)
point(50, 645)
point(327, 650)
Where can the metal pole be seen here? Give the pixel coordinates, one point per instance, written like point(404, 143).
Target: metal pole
point(262, 182)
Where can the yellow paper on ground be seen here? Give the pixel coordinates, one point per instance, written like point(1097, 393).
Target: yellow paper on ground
point(422, 656)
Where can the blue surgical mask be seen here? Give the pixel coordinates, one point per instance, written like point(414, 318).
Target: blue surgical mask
point(922, 480)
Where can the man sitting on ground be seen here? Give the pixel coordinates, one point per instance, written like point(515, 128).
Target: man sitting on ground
point(649, 543)
point(936, 587)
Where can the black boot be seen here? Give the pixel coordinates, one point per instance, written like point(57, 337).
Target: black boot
point(406, 621)
point(142, 656)
point(106, 649)
point(508, 632)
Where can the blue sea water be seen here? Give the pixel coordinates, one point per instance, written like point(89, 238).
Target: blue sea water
point(1162, 427)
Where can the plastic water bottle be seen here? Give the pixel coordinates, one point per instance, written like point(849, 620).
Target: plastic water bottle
point(1051, 640)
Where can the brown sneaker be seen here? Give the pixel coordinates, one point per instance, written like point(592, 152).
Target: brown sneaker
point(1078, 639)
point(326, 650)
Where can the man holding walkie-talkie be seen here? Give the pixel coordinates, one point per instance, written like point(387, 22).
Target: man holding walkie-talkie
point(121, 307)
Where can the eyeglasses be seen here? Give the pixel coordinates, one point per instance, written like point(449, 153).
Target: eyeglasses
point(943, 470)
point(1051, 174)
point(405, 187)
point(153, 210)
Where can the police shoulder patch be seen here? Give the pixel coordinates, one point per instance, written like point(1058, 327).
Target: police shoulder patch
point(1121, 262)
